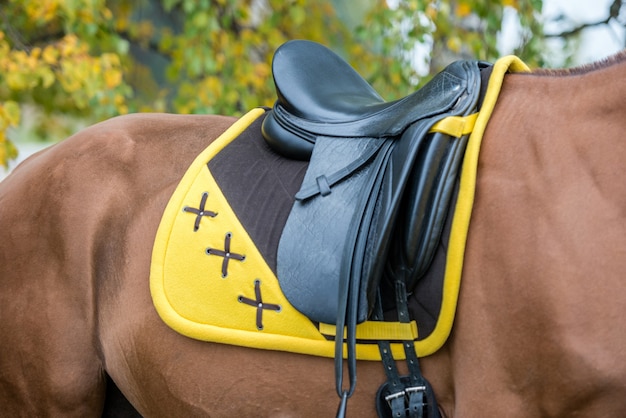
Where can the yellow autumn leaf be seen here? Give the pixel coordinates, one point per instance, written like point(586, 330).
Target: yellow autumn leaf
point(120, 104)
point(50, 55)
point(238, 50)
point(11, 66)
point(86, 16)
point(69, 45)
point(16, 80)
point(51, 10)
point(20, 57)
point(395, 78)
point(463, 9)
point(213, 85)
point(107, 14)
point(47, 77)
point(111, 60)
point(112, 78)
point(35, 53)
point(262, 70)
point(454, 44)
point(7, 150)
point(11, 112)
point(9, 116)
point(70, 76)
point(3, 154)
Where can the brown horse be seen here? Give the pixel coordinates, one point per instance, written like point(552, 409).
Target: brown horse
point(543, 294)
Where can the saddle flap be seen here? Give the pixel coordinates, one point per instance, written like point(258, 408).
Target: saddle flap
point(349, 230)
point(317, 252)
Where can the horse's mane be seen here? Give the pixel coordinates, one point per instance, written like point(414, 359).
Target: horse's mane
point(586, 68)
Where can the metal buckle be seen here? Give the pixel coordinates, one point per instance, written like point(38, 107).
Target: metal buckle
point(414, 389)
point(406, 394)
point(416, 401)
point(394, 396)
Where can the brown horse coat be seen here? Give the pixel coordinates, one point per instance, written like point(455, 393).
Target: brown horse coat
point(539, 328)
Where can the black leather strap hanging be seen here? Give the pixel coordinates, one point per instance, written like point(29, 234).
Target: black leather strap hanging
point(403, 396)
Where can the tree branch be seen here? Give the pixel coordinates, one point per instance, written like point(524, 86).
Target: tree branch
point(614, 11)
point(15, 36)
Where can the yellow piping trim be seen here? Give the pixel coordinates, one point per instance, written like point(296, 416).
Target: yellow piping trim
point(463, 210)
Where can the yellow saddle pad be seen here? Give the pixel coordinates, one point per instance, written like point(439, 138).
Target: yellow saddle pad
point(209, 281)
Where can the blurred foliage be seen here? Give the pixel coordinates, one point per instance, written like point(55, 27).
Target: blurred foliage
point(93, 59)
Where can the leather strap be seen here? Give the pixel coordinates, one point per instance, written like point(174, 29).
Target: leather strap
point(324, 182)
point(407, 396)
point(392, 390)
point(416, 393)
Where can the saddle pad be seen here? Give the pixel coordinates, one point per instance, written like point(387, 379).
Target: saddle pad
point(209, 280)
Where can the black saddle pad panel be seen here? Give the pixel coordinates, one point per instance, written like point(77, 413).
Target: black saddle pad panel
point(259, 185)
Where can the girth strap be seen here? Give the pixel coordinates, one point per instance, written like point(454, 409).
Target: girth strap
point(407, 396)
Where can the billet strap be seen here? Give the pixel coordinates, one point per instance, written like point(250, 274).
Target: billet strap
point(394, 384)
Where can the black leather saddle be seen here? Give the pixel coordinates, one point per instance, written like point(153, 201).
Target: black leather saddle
point(372, 163)
point(378, 185)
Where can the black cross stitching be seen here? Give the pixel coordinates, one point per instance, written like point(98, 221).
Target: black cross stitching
point(259, 304)
point(200, 212)
point(226, 254)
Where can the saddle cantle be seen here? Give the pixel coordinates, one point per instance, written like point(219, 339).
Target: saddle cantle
point(378, 179)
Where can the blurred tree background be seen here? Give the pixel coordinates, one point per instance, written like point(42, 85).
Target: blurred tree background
point(68, 63)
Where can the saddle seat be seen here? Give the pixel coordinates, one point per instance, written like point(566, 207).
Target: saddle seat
point(321, 94)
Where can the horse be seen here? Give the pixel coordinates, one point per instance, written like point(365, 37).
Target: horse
point(537, 328)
